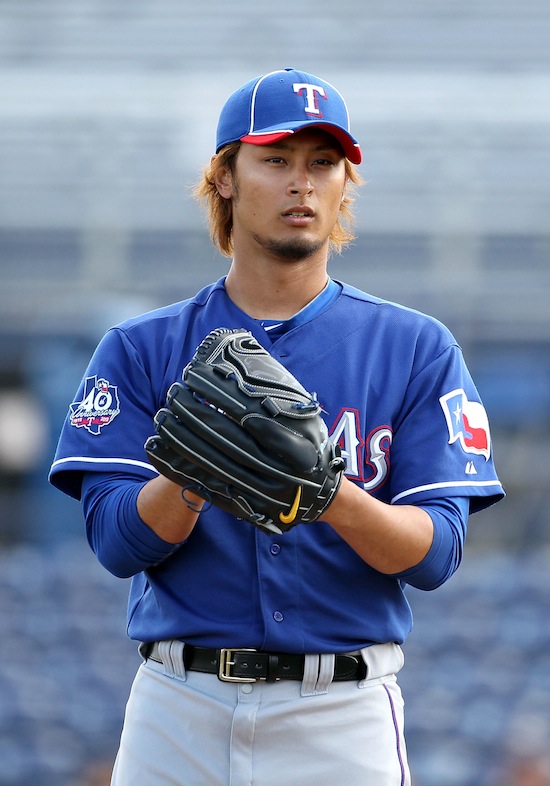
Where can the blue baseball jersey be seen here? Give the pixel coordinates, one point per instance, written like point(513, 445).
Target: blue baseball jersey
point(397, 398)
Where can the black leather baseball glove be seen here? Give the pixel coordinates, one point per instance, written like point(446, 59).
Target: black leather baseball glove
point(242, 433)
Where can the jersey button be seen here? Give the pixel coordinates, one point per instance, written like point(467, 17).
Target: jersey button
point(275, 549)
point(278, 616)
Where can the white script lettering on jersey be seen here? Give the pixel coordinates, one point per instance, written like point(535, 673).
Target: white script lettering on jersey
point(346, 433)
point(378, 448)
point(312, 92)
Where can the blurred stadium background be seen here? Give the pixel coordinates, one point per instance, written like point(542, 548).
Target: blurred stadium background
point(107, 113)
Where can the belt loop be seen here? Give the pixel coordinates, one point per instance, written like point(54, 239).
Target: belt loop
point(171, 654)
point(381, 660)
point(318, 674)
point(311, 670)
point(326, 673)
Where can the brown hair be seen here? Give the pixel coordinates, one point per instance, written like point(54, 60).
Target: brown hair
point(219, 209)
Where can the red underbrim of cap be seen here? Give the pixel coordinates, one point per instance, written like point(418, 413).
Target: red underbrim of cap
point(352, 151)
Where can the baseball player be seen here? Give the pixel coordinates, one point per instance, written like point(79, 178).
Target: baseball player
point(270, 650)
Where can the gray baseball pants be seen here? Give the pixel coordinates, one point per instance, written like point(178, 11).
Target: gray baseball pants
point(191, 729)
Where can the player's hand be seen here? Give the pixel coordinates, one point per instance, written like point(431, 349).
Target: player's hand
point(243, 434)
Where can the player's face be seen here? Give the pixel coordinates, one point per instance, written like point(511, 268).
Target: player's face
point(287, 196)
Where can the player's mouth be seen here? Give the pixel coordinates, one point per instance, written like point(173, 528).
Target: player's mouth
point(299, 216)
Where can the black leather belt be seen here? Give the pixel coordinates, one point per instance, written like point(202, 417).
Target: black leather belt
point(248, 665)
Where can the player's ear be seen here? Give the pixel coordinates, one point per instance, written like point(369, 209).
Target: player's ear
point(223, 179)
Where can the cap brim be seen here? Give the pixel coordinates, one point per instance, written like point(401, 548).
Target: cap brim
point(351, 148)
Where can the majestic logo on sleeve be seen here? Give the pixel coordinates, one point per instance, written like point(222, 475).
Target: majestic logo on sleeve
point(467, 422)
point(98, 408)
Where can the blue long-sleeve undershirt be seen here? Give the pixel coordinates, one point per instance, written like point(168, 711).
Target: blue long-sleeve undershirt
point(450, 519)
point(125, 545)
point(121, 540)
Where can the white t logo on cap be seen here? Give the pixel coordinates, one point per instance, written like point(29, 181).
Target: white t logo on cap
point(312, 107)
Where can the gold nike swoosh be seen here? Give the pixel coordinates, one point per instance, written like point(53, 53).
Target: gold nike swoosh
point(288, 518)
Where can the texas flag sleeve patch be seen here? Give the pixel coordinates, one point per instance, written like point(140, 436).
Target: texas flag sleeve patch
point(467, 423)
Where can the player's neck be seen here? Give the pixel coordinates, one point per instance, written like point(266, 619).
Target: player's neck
point(274, 292)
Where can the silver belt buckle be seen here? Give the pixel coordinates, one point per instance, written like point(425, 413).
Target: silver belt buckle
point(226, 662)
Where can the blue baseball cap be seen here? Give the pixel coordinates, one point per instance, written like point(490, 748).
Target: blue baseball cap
point(273, 106)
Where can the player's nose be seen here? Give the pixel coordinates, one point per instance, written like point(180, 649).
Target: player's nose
point(300, 184)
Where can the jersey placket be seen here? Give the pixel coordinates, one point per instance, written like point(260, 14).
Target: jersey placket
point(279, 590)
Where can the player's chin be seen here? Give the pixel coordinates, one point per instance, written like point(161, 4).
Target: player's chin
point(293, 249)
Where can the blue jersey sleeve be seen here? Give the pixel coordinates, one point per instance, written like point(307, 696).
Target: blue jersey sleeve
point(441, 442)
point(109, 419)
